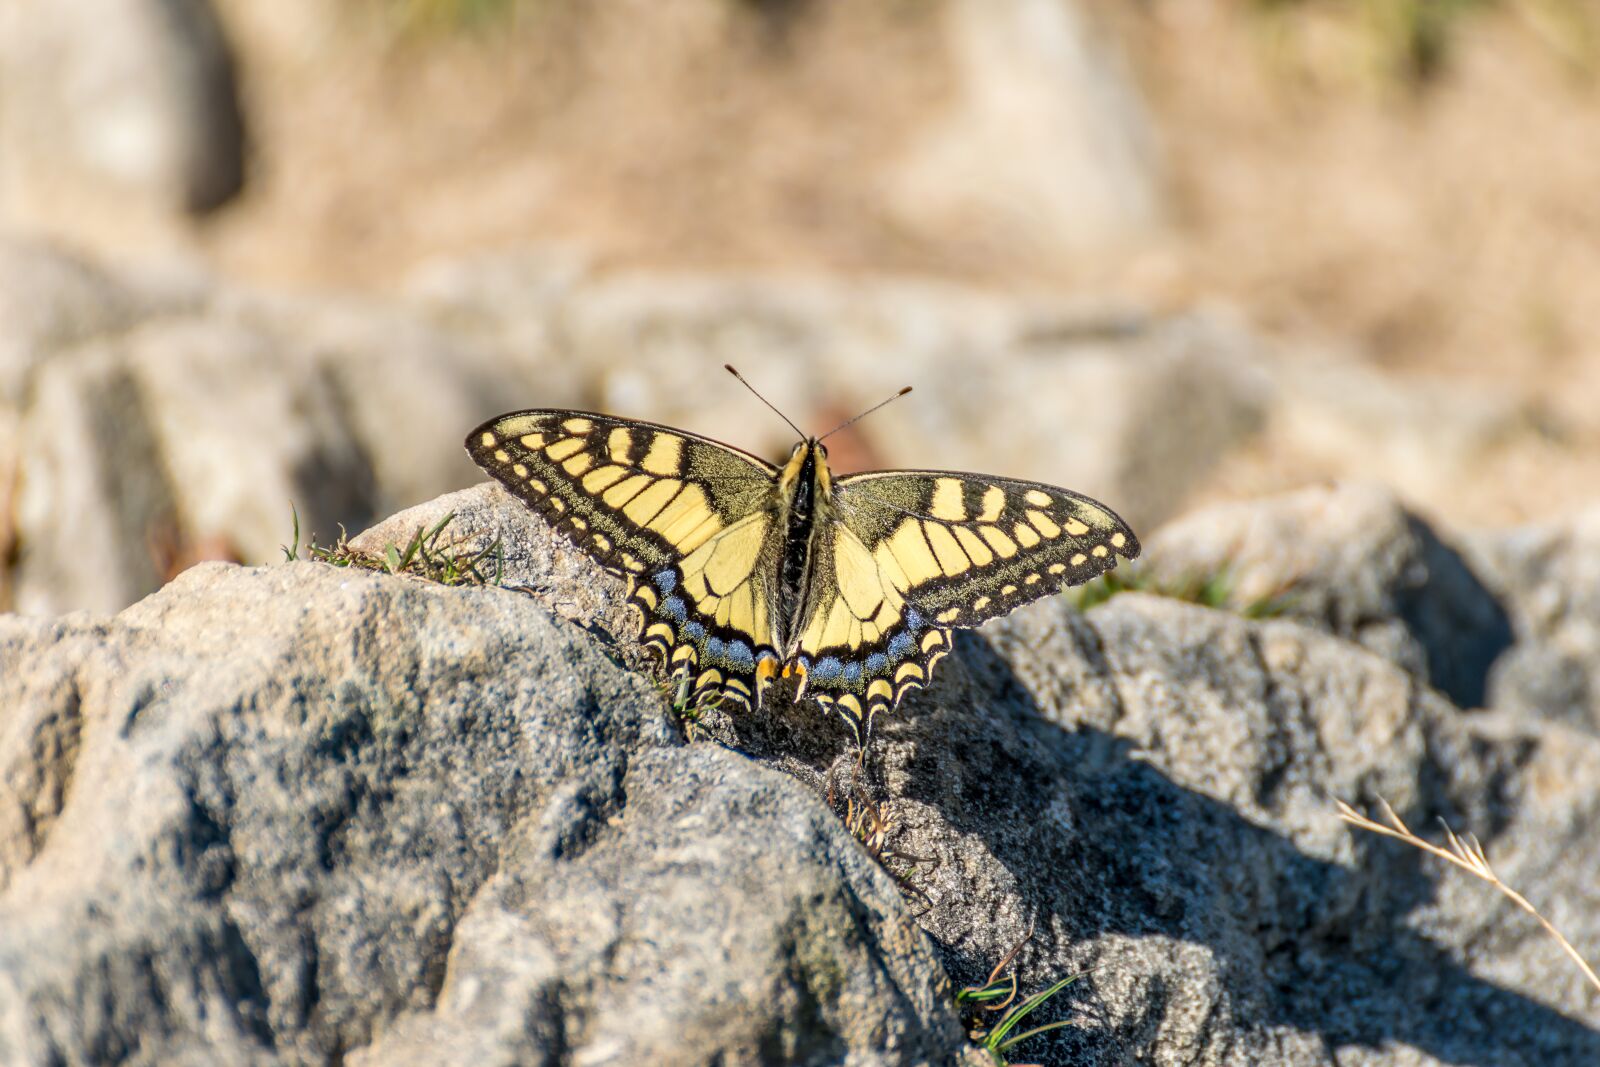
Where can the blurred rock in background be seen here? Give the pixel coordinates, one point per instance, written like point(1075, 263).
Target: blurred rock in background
point(172, 418)
point(119, 119)
point(1044, 146)
point(184, 425)
point(1127, 250)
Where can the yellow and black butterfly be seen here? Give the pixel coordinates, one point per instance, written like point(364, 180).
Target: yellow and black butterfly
point(741, 571)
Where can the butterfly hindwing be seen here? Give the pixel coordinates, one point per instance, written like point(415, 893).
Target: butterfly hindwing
point(862, 647)
point(687, 520)
point(912, 554)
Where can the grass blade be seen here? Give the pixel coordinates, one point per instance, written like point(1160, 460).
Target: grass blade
point(291, 553)
point(996, 1038)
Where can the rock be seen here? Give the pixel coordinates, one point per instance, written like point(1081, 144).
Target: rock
point(1548, 577)
point(308, 815)
point(50, 301)
point(174, 436)
point(1129, 407)
point(115, 112)
point(145, 426)
point(716, 917)
point(1139, 410)
point(486, 518)
point(304, 813)
point(1151, 786)
point(249, 401)
point(92, 494)
point(1423, 438)
point(1444, 445)
point(1171, 830)
point(404, 390)
point(1045, 147)
point(1351, 560)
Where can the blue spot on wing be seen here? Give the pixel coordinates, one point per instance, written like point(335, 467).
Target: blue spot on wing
point(666, 580)
point(694, 631)
point(877, 663)
point(741, 656)
point(714, 647)
point(913, 619)
point(675, 607)
point(827, 668)
point(901, 645)
point(852, 672)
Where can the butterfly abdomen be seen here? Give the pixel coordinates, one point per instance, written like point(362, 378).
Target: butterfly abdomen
point(797, 490)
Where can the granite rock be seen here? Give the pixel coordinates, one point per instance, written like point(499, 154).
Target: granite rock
point(1350, 559)
point(1149, 789)
point(311, 815)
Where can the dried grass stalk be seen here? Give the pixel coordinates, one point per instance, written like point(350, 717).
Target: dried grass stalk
point(1467, 853)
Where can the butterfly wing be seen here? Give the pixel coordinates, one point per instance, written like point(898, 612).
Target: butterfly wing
point(690, 522)
point(910, 555)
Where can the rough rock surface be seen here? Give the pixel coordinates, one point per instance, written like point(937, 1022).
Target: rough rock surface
point(301, 814)
point(1508, 619)
point(1352, 560)
point(306, 815)
point(1150, 788)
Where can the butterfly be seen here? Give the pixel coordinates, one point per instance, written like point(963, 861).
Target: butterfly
point(740, 572)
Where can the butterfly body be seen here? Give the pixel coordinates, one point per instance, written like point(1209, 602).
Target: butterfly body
point(741, 572)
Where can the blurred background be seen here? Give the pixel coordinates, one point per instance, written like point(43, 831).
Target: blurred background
point(1166, 252)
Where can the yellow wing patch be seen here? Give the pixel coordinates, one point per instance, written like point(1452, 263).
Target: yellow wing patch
point(726, 560)
point(682, 517)
point(914, 554)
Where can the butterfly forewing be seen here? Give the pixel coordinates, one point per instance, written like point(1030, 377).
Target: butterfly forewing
point(965, 548)
point(913, 554)
point(688, 521)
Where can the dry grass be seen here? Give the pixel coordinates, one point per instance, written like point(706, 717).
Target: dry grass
point(1466, 853)
point(425, 556)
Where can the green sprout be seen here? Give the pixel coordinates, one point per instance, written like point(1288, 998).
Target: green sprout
point(997, 994)
point(423, 556)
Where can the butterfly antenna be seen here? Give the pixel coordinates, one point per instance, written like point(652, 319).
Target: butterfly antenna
point(764, 400)
point(865, 413)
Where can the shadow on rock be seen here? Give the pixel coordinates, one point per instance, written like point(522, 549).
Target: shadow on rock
point(1187, 916)
point(1461, 627)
